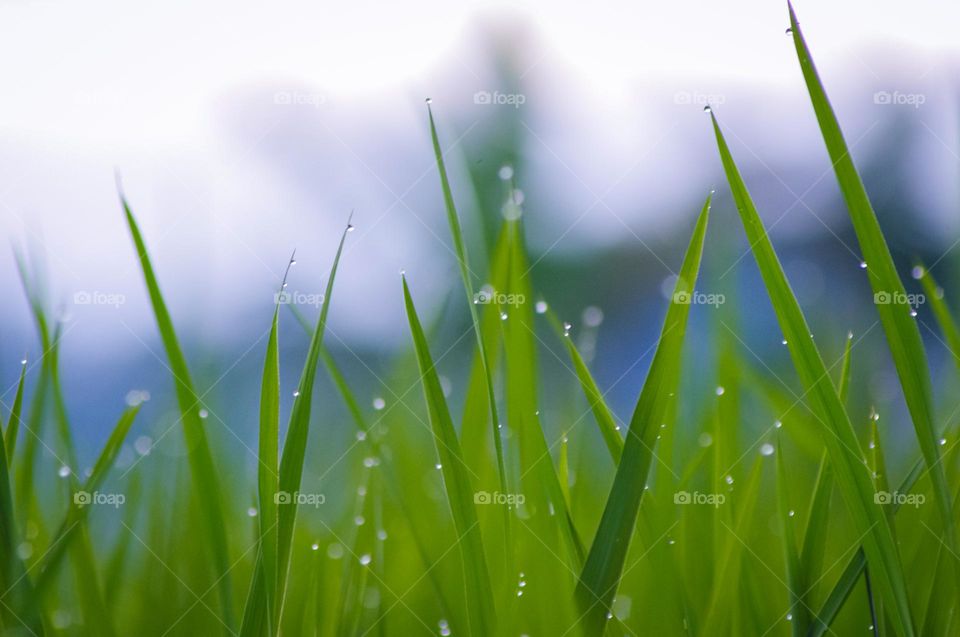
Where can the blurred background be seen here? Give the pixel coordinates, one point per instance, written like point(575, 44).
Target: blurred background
point(243, 131)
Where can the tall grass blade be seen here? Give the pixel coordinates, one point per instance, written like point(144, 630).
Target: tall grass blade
point(13, 427)
point(604, 565)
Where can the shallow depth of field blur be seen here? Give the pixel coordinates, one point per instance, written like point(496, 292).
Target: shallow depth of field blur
point(243, 133)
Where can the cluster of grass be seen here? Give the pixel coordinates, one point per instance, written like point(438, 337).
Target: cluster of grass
point(683, 526)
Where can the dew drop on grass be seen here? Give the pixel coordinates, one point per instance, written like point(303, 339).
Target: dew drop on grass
point(23, 361)
point(25, 550)
point(350, 227)
point(913, 312)
point(566, 329)
point(506, 172)
point(789, 617)
point(863, 265)
point(777, 424)
point(705, 440)
point(429, 100)
point(789, 31)
point(720, 390)
point(917, 272)
point(203, 413)
point(379, 403)
point(314, 547)
point(359, 520)
point(143, 444)
point(943, 441)
point(444, 628)
point(365, 559)
point(381, 534)
point(503, 316)
point(438, 466)
point(519, 593)
point(296, 393)
point(791, 513)
point(335, 551)
point(361, 490)
point(728, 479)
point(766, 449)
point(783, 342)
point(541, 307)
point(370, 461)
point(707, 109)
point(63, 471)
point(252, 512)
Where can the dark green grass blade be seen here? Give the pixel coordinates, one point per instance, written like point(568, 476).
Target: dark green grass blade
point(205, 479)
point(77, 511)
point(852, 476)
point(16, 593)
point(601, 413)
point(460, 494)
point(13, 427)
point(461, 249)
point(295, 444)
point(604, 565)
point(903, 335)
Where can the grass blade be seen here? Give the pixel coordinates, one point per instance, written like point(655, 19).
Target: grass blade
point(460, 494)
point(838, 435)
point(903, 335)
point(799, 612)
point(604, 565)
point(206, 481)
point(13, 427)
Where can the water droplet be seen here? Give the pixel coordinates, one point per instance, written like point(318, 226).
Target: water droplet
point(143, 444)
point(720, 390)
point(541, 307)
point(335, 551)
point(519, 593)
point(913, 312)
point(728, 479)
point(203, 413)
point(371, 461)
point(23, 361)
point(503, 316)
point(361, 490)
point(25, 550)
point(783, 342)
point(381, 535)
point(506, 172)
point(403, 272)
point(943, 441)
point(314, 547)
point(296, 392)
point(707, 109)
point(444, 628)
point(872, 445)
point(252, 512)
point(863, 265)
point(566, 329)
point(789, 617)
point(592, 316)
point(791, 513)
point(438, 466)
point(365, 559)
point(705, 440)
point(379, 403)
point(64, 471)
point(429, 100)
point(917, 272)
point(293, 262)
point(361, 436)
point(671, 541)
point(359, 520)
point(350, 227)
point(766, 449)
point(609, 615)
point(777, 424)
point(789, 31)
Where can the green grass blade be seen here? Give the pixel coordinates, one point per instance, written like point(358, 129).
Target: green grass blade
point(838, 435)
point(460, 494)
point(205, 479)
point(295, 444)
point(13, 427)
point(601, 412)
point(604, 565)
point(942, 314)
point(801, 619)
point(78, 511)
point(461, 249)
point(903, 335)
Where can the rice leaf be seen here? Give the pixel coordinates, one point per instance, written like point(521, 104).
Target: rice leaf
point(890, 296)
point(604, 565)
point(459, 491)
point(838, 435)
point(206, 482)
